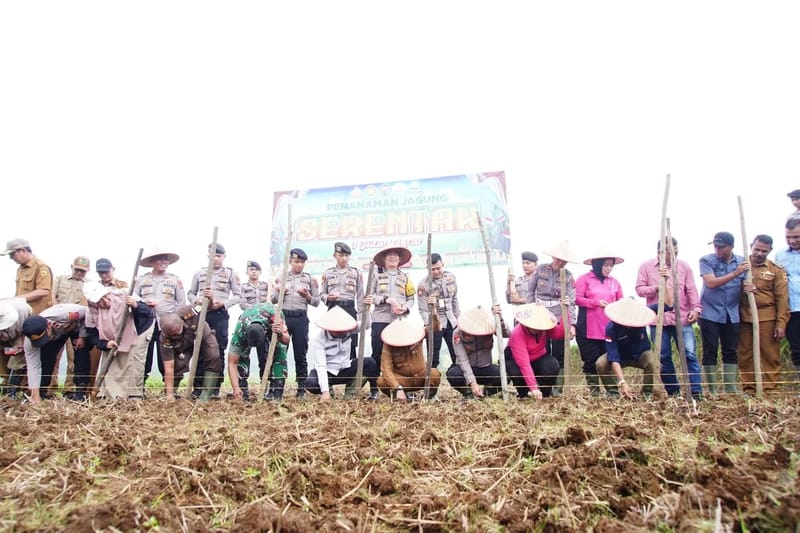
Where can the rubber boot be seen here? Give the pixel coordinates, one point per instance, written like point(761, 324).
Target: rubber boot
point(209, 385)
point(710, 372)
point(558, 388)
point(301, 390)
point(593, 382)
point(730, 377)
point(275, 393)
point(14, 382)
point(350, 390)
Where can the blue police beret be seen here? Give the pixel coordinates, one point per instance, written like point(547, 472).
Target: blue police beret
point(297, 253)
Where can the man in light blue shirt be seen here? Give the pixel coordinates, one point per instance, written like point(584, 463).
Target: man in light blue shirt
point(789, 259)
point(723, 275)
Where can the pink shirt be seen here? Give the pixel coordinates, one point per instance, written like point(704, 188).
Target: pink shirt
point(589, 290)
point(527, 347)
point(647, 287)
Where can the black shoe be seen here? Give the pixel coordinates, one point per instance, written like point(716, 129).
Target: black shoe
point(373, 395)
point(301, 393)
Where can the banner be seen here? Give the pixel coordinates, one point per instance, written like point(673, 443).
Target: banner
point(375, 216)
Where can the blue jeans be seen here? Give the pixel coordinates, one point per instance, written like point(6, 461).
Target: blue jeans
point(668, 376)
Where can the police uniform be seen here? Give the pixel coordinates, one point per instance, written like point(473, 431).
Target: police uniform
point(168, 293)
point(445, 290)
point(473, 363)
point(388, 284)
point(241, 344)
point(348, 284)
point(254, 293)
point(772, 303)
point(545, 287)
point(295, 309)
point(181, 348)
point(227, 290)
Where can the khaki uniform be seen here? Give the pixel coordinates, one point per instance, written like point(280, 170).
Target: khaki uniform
point(772, 302)
point(405, 366)
point(180, 349)
point(254, 294)
point(67, 290)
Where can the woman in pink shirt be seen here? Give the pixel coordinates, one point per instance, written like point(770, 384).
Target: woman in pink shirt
point(529, 365)
point(593, 291)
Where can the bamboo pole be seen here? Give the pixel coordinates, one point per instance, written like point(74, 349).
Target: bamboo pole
point(431, 333)
point(565, 325)
point(676, 305)
point(498, 328)
point(279, 307)
point(101, 375)
point(751, 300)
point(201, 322)
point(661, 284)
point(365, 310)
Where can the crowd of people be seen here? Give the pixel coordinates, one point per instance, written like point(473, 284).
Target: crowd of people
point(113, 335)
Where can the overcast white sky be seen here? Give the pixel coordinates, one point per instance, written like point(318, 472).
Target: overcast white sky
point(123, 125)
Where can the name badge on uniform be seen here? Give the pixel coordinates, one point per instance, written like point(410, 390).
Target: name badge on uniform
point(440, 303)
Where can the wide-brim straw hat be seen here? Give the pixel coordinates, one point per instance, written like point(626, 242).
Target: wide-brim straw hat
point(404, 253)
point(629, 312)
point(603, 252)
point(94, 291)
point(403, 332)
point(562, 250)
point(8, 315)
point(336, 319)
point(476, 321)
point(535, 316)
point(150, 255)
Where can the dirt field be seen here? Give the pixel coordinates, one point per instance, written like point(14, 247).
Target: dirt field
point(562, 464)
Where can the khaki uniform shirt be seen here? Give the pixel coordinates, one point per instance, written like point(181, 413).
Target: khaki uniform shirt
point(772, 295)
point(180, 349)
point(292, 300)
point(254, 293)
point(386, 285)
point(406, 361)
point(224, 282)
point(35, 275)
point(545, 286)
point(68, 290)
point(167, 291)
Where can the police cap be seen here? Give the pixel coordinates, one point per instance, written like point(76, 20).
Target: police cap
point(342, 248)
point(530, 256)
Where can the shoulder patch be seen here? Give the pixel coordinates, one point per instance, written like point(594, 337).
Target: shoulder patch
point(456, 338)
point(73, 316)
point(43, 272)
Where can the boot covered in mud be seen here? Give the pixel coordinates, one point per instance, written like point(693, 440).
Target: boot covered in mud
point(558, 388)
point(209, 385)
point(710, 373)
point(275, 393)
point(593, 382)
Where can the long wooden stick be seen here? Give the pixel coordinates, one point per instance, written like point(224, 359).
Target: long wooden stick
point(101, 375)
point(565, 324)
point(661, 283)
point(365, 310)
point(201, 322)
point(279, 307)
point(431, 333)
point(751, 300)
point(498, 328)
point(676, 305)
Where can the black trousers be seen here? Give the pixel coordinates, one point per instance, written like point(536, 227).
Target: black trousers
point(298, 331)
point(377, 342)
point(488, 376)
point(345, 376)
point(154, 348)
point(793, 336)
point(716, 334)
point(545, 369)
point(217, 320)
point(445, 334)
point(48, 354)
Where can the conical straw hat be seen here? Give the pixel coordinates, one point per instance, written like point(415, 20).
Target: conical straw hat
point(603, 252)
point(562, 250)
point(403, 332)
point(629, 312)
point(94, 291)
point(404, 253)
point(476, 321)
point(535, 316)
point(147, 258)
point(336, 319)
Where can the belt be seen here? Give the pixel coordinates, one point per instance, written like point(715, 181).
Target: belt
point(294, 313)
point(347, 304)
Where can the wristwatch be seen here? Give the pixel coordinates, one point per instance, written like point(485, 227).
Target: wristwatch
point(399, 387)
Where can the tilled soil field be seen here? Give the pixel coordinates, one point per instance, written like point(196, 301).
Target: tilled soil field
point(580, 463)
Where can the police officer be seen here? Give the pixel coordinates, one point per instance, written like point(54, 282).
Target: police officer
point(342, 286)
point(223, 291)
point(301, 289)
point(68, 289)
point(441, 291)
point(517, 287)
point(163, 292)
point(254, 291)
